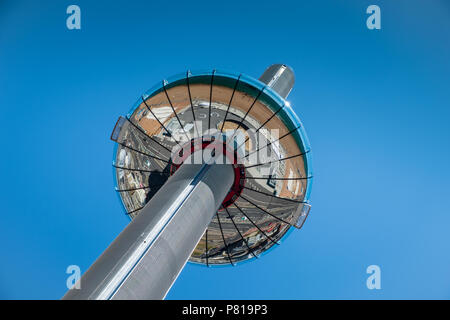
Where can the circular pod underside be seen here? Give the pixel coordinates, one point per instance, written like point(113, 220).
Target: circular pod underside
point(271, 156)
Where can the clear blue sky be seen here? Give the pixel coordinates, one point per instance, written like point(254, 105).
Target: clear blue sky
point(375, 105)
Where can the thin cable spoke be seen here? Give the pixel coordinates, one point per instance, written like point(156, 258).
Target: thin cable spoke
point(261, 126)
point(271, 142)
point(173, 109)
point(266, 235)
point(140, 170)
point(265, 178)
point(190, 100)
point(132, 189)
point(223, 238)
point(160, 123)
point(143, 153)
point(132, 211)
point(243, 239)
point(144, 187)
point(206, 248)
point(229, 104)
point(279, 160)
point(265, 211)
point(271, 195)
point(143, 132)
point(210, 99)
point(245, 116)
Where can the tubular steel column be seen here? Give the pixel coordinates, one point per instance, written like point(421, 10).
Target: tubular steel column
point(147, 256)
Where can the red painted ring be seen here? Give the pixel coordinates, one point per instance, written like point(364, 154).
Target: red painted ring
point(239, 169)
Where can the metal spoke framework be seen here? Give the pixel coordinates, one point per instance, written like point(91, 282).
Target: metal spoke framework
point(214, 79)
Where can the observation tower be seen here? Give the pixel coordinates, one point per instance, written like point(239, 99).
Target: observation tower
point(211, 167)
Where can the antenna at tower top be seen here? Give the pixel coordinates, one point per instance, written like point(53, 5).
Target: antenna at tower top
point(280, 78)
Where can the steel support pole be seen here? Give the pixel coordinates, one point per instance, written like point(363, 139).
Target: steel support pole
point(147, 256)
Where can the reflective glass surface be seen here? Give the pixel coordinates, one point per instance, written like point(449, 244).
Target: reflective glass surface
point(269, 141)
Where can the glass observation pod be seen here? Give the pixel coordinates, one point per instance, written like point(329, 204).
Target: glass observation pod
point(269, 150)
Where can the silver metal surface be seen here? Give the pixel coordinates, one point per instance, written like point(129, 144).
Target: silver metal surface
point(279, 77)
point(147, 256)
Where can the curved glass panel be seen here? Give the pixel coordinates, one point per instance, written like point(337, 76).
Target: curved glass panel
point(270, 146)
